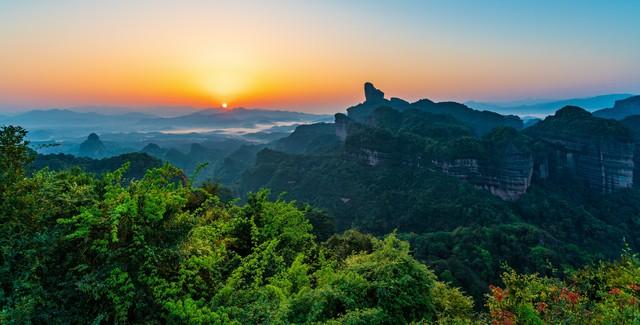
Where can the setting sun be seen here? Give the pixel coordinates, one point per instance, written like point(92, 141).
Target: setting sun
point(224, 105)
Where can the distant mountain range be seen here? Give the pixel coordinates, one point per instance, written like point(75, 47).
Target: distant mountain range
point(65, 123)
point(622, 109)
point(80, 121)
point(67, 118)
point(240, 117)
point(158, 110)
point(541, 109)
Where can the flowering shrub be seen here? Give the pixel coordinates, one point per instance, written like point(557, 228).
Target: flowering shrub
point(607, 293)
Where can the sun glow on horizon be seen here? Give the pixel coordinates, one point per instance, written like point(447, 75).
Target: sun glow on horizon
point(286, 56)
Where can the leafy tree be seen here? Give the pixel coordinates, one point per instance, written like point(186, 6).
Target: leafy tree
point(14, 155)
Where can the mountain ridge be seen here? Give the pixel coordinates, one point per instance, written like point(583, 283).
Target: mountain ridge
point(548, 107)
point(621, 109)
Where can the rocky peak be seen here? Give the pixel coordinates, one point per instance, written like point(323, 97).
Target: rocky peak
point(92, 147)
point(372, 94)
point(93, 138)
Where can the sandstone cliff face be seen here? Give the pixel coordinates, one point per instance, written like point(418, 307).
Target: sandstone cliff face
point(373, 142)
point(605, 166)
point(507, 174)
point(375, 157)
point(633, 124)
point(597, 151)
point(342, 125)
point(608, 166)
point(508, 178)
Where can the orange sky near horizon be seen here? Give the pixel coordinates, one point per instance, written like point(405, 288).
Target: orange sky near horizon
point(289, 55)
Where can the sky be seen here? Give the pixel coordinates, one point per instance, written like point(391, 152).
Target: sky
point(311, 55)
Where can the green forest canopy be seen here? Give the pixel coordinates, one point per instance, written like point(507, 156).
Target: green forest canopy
point(80, 248)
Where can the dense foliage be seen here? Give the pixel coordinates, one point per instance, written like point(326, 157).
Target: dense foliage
point(139, 163)
point(81, 248)
point(572, 120)
point(382, 179)
point(480, 122)
point(607, 293)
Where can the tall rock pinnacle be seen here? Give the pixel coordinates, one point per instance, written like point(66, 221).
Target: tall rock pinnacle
point(372, 94)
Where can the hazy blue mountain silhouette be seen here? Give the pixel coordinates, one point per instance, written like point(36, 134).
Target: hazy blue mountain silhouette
point(622, 108)
point(65, 123)
point(549, 107)
point(92, 147)
point(240, 117)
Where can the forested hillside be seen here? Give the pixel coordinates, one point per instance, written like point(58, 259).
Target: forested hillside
point(78, 248)
point(557, 195)
point(139, 163)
